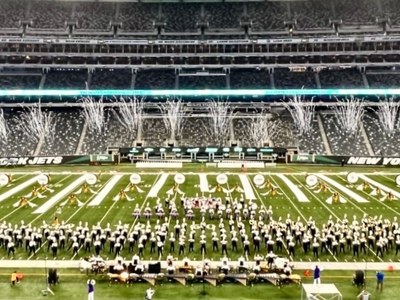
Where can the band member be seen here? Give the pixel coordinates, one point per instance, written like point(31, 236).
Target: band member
point(90, 288)
point(149, 294)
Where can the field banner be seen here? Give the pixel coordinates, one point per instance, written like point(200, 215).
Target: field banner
point(43, 160)
point(303, 158)
point(102, 158)
point(348, 160)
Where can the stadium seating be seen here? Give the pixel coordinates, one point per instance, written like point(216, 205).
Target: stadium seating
point(194, 133)
point(155, 79)
point(350, 78)
point(112, 134)
point(20, 81)
point(140, 16)
point(111, 79)
point(68, 129)
point(181, 18)
point(283, 78)
point(382, 143)
point(341, 142)
point(50, 15)
point(68, 79)
point(17, 143)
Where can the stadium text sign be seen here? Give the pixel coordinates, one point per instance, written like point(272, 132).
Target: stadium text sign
point(22, 161)
point(43, 160)
point(368, 160)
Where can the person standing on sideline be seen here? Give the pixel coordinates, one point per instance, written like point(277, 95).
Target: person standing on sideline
point(364, 295)
point(317, 275)
point(379, 280)
point(90, 287)
point(149, 294)
point(14, 278)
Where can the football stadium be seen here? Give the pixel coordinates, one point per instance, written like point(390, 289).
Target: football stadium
point(199, 149)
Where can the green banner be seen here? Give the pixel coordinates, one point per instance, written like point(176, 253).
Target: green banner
point(303, 158)
point(102, 158)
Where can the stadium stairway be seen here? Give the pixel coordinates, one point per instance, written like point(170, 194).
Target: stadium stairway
point(82, 138)
point(39, 146)
point(323, 135)
point(72, 264)
point(366, 140)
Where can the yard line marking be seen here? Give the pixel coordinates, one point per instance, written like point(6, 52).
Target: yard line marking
point(296, 208)
point(19, 207)
point(156, 180)
point(203, 183)
point(248, 189)
point(16, 179)
point(381, 186)
point(105, 190)
point(288, 198)
point(295, 189)
point(46, 206)
point(323, 204)
point(66, 221)
point(342, 188)
point(354, 205)
point(153, 193)
point(18, 188)
point(376, 199)
point(262, 203)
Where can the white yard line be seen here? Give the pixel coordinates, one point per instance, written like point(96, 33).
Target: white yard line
point(248, 189)
point(343, 189)
point(46, 206)
point(288, 198)
point(301, 197)
point(66, 221)
point(376, 199)
point(265, 208)
point(304, 218)
point(18, 188)
point(357, 207)
point(153, 193)
point(379, 185)
point(203, 183)
point(112, 206)
point(18, 208)
point(156, 180)
point(105, 190)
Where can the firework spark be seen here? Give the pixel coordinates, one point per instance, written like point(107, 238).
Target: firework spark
point(349, 114)
point(93, 111)
point(302, 114)
point(173, 113)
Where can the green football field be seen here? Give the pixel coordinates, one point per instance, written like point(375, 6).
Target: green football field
point(285, 190)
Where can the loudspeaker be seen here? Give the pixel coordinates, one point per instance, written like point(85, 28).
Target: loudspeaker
point(155, 268)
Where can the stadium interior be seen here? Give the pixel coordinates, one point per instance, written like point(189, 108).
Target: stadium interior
point(112, 78)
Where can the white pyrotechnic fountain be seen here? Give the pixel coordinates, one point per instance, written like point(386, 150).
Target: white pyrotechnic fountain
point(3, 127)
point(349, 114)
point(173, 113)
point(130, 114)
point(388, 116)
point(302, 113)
point(262, 128)
point(37, 124)
point(220, 115)
point(93, 111)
